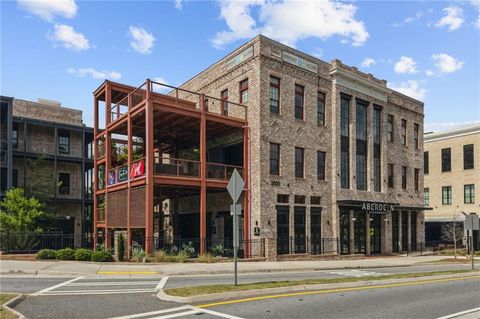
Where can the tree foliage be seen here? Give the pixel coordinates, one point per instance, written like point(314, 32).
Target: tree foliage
point(19, 213)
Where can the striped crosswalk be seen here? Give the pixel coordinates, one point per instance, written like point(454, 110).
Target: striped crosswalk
point(179, 312)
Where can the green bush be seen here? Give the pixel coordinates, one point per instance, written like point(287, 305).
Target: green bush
point(65, 254)
point(101, 256)
point(217, 250)
point(188, 249)
point(121, 247)
point(46, 254)
point(83, 254)
point(138, 256)
point(206, 258)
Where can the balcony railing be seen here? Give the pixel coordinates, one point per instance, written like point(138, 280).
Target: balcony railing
point(176, 167)
point(222, 171)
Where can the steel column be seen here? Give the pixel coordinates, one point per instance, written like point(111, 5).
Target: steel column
point(203, 175)
point(247, 191)
point(149, 165)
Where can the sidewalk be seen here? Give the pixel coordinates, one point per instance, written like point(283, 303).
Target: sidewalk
point(90, 268)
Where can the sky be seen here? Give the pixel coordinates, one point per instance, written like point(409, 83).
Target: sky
point(63, 50)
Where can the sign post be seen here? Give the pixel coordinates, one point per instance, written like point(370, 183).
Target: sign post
point(471, 224)
point(235, 189)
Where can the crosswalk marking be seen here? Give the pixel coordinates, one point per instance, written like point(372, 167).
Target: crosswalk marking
point(177, 312)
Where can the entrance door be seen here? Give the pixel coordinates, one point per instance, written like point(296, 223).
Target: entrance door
point(300, 240)
point(413, 230)
point(344, 232)
point(405, 231)
point(375, 233)
point(395, 245)
point(360, 232)
point(283, 225)
point(315, 230)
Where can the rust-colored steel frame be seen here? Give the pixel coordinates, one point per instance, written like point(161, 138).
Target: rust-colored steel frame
point(155, 101)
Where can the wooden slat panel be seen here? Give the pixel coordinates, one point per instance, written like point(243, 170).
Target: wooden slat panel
point(117, 209)
point(137, 207)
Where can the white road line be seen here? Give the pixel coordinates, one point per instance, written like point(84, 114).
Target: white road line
point(454, 315)
point(161, 283)
point(219, 314)
point(180, 314)
point(110, 283)
point(96, 292)
point(56, 286)
point(144, 314)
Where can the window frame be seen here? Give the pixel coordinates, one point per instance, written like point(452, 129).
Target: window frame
point(471, 194)
point(426, 196)
point(391, 175)
point(64, 189)
point(416, 142)
point(224, 98)
point(301, 163)
point(447, 196)
point(63, 136)
point(466, 150)
point(301, 94)
point(416, 179)
point(321, 166)
point(321, 101)
point(14, 135)
point(243, 89)
point(390, 128)
point(446, 152)
point(277, 160)
point(426, 163)
point(277, 87)
point(404, 177)
point(403, 132)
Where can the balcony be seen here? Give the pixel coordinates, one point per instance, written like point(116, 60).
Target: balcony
point(176, 167)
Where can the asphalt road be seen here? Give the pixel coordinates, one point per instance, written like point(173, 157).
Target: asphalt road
point(29, 284)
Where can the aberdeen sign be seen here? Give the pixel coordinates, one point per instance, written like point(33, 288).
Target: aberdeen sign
point(376, 208)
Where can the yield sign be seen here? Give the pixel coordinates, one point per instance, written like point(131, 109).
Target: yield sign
point(235, 185)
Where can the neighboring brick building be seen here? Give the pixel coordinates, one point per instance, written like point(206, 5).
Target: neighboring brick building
point(333, 160)
point(49, 154)
point(452, 177)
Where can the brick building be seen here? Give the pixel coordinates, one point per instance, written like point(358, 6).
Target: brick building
point(331, 155)
point(47, 150)
point(452, 178)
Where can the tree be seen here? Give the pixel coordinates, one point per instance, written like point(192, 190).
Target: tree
point(453, 232)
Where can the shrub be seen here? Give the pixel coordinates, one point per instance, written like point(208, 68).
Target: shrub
point(102, 256)
point(65, 254)
point(83, 254)
point(121, 247)
point(180, 258)
point(188, 249)
point(206, 258)
point(46, 254)
point(139, 255)
point(217, 250)
point(161, 256)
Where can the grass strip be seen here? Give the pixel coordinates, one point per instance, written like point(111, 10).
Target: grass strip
point(4, 313)
point(211, 289)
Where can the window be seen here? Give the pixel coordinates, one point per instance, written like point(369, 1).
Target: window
point(361, 154)
point(404, 132)
point(377, 138)
point(321, 165)
point(447, 195)
point(14, 177)
point(390, 175)
point(299, 161)
point(64, 181)
point(425, 163)
point(274, 159)
point(415, 136)
point(15, 136)
point(282, 198)
point(426, 196)
point(315, 200)
point(390, 128)
point(446, 160)
point(274, 95)
point(225, 102)
point(468, 156)
point(469, 194)
point(416, 178)
point(321, 109)
point(64, 141)
point(244, 91)
point(299, 101)
point(344, 142)
point(299, 199)
point(404, 177)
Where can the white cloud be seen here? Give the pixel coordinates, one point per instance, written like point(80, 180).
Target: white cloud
point(367, 62)
point(434, 127)
point(159, 88)
point(410, 19)
point(446, 63)
point(476, 3)
point(453, 18)
point(142, 41)
point(411, 88)
point(49, 9)
point(94, 74)
point(69, 38)
point(289, 21)
point(429, 73)
point(405, 65)
point(179, 4)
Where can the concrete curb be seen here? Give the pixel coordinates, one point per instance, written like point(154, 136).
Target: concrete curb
point(279, 290)
point(12, 303)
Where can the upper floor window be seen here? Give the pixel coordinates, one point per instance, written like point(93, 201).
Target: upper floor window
point(299, 162)
point(404, 132)
point(426, 196)
point(404, 177)
point(416, 178)
point(415, 136)
point(274, 95)
point(426, 165)
point(446, 160)
point(468, 156)
point(225, 102)
point(321, 109)
point(344, 141)
point(15, 135)
point(244, 91)
point(64, 141)
point(446, 195)
point(315, 200)
point(64, 181)
point(274, 159)
point(321, 165)
point(390, 175)
point(299, 101)
point(469, 194)
point(282, 198)
point(299, 199)
point(390, 128)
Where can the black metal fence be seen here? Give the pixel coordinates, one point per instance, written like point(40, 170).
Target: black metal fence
point(306, 245)
point(32, 242)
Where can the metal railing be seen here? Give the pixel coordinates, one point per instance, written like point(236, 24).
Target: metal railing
point(176, 167)
point(32, 242)
point(222, 171)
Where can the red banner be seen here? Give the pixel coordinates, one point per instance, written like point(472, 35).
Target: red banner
point(138, 169)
